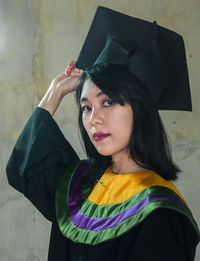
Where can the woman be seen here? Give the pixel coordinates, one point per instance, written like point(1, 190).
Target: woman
point(120, 203)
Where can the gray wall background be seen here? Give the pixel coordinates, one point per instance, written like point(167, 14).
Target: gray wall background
point(38, 38)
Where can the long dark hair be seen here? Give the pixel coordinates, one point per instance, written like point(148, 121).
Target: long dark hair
point(148, 145)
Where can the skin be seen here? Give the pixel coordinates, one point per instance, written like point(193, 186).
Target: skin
point(100, 114)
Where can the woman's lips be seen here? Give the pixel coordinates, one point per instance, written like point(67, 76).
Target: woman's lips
point(100, 137)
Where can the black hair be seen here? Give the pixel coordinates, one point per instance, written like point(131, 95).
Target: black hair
point(148, 146)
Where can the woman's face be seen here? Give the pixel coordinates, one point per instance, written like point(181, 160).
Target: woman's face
point(100, 114)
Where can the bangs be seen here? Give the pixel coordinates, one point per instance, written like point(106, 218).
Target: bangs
point(108, 79)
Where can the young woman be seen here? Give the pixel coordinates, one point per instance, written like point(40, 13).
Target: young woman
point(119, 203)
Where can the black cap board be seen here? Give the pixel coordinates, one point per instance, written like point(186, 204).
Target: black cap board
point(156, 55)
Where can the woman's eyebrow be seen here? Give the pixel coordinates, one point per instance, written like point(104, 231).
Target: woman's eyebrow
point(83, 99)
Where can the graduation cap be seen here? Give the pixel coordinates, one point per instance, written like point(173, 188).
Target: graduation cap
point(156, 55)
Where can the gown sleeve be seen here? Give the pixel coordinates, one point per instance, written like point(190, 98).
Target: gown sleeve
point(38, 157)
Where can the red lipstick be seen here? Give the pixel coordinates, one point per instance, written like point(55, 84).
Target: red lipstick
point(98, 136)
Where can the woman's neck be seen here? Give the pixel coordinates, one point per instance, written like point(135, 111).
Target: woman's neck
point(124, 165)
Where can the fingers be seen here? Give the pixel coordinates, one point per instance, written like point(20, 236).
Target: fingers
point(70, 68)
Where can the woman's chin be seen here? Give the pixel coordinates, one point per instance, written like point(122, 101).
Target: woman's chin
point(104, 152)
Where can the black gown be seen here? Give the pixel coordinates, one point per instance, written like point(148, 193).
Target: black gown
point(38, 159)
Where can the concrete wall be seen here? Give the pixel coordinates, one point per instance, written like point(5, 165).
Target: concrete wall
point(37, 40)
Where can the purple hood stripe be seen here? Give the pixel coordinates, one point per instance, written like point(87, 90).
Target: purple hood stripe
point(82, 221)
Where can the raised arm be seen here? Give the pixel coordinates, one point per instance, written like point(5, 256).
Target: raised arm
point(41, 151)
point(60, 86)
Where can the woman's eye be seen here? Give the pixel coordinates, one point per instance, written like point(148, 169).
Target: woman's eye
point(87, 108)
point(109, 101)
point(84, 108)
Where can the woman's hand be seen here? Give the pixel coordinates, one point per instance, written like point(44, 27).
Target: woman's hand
point(66, 81)
point(61, 85)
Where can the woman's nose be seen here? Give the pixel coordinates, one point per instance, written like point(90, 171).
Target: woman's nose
point(96, 116)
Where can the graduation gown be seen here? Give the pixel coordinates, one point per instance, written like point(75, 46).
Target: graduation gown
point(152, 223)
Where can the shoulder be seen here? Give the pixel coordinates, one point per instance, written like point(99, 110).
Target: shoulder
point(163, 225)
point(164, 234)
point(168, 221)
point(167, 226)
point(159, 221)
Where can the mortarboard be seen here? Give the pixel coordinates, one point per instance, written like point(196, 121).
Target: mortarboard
point(156, 55)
